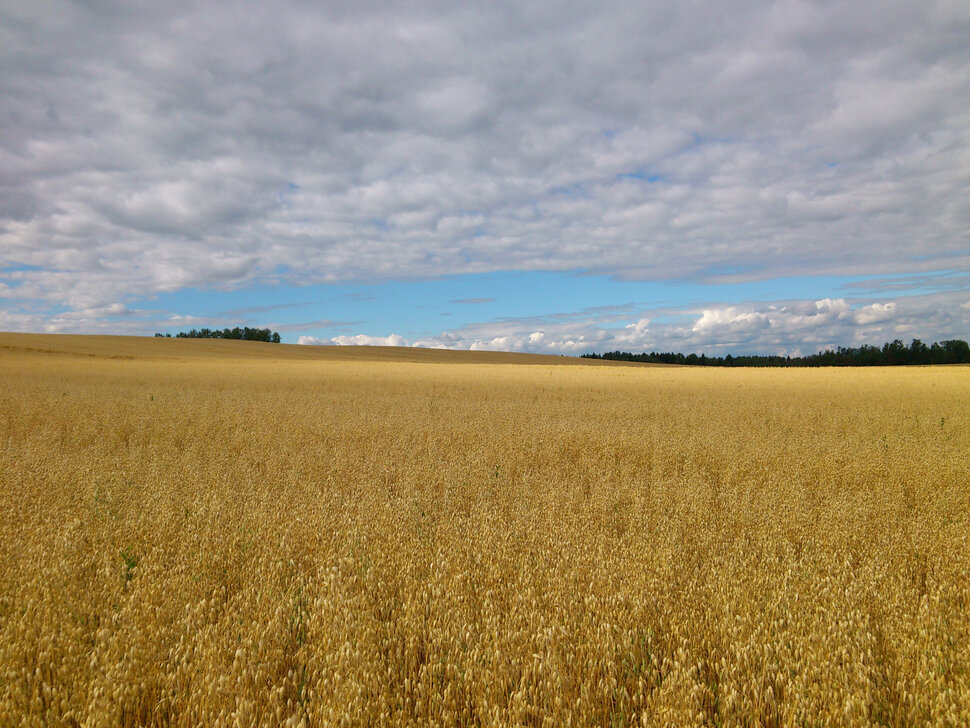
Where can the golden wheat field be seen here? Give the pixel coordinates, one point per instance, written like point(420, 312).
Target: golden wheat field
point(237, 534)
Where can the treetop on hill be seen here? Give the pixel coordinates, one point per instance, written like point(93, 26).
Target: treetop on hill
point(243, 334)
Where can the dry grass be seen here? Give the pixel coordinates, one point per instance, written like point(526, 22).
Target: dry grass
point(223, 540)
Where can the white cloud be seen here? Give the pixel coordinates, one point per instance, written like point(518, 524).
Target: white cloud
point(875, 313)
point(731, 319)
point(641, 327)
point(114, 309)
point(356, 340)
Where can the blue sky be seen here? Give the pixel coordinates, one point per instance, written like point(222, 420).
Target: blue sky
point(560, 178)
point(521, 303)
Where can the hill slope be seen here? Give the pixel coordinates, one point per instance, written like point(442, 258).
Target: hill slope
point(143, 347)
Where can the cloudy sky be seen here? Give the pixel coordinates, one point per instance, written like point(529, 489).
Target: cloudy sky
point(548, 176)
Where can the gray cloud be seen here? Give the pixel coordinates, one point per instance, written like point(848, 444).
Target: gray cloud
point(938, 282)
point(246, 311)
point(150, 148)
point(307, 325)
point(472, 300)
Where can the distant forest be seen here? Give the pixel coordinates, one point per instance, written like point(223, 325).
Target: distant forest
point(895, 353)
point(243, 334)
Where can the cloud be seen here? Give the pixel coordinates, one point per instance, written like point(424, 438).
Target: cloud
point(246, 311)
point(155, 148)
point(357, 340)
point(929, 282)
point(472, 300)
point(114, 309)
point(783, 327)
point(731, 319)
point(875, 313)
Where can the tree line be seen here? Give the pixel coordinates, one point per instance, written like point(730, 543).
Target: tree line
point(243, 334)
point(894, 353)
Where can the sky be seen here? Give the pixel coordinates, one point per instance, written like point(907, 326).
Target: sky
point(554, 177)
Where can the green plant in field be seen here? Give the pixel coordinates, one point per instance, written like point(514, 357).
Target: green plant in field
point(128, 561)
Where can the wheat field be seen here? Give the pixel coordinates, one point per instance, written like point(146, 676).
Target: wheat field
point(238, 534)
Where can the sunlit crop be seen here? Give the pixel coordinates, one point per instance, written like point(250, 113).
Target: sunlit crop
point(231, 533)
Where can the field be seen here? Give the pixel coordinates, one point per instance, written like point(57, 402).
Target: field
point(237, 534)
